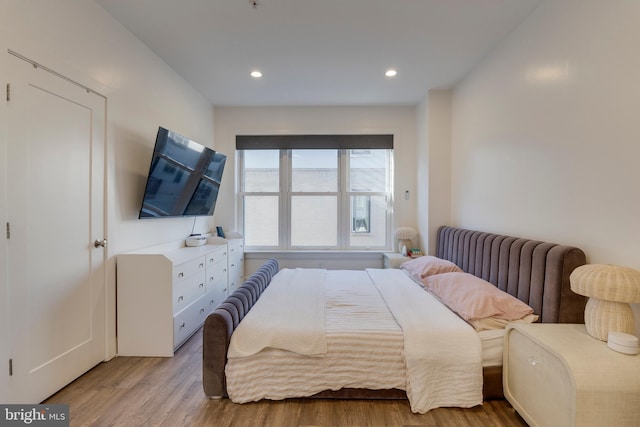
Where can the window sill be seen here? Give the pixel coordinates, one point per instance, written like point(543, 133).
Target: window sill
point(314, 254)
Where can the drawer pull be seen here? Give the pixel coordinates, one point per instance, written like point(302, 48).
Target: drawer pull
point(201, 265)
point(211, 279)
point(201, 310)
point(225, 289)
point(211, 260)
point(180, 298)
point(533, 361)
point(201, 285)
point(183, 325)
point(180, 274)
point(211, 302)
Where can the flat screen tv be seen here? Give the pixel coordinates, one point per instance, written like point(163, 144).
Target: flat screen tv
point(184, 178)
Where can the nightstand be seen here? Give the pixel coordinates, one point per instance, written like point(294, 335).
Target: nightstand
point(393, 259)
point(558, 375)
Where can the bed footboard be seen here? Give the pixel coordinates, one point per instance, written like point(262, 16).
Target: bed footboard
point(220, 324)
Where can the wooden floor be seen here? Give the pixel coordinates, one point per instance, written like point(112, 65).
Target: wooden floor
point(149, 391)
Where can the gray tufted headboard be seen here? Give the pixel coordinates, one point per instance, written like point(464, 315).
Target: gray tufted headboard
point(532, 271)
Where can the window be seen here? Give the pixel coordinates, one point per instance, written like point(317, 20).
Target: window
point(315, 198)
point(360, 214)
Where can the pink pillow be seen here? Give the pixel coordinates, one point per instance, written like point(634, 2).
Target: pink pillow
point(473, 298)
point(428, 265)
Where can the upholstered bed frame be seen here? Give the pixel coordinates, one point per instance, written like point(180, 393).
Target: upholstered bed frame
point(534, 272)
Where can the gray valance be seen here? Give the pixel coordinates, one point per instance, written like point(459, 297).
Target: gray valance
point(301, 142)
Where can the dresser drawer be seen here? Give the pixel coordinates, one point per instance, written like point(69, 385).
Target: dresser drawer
point(236, 247)
point(188, 290)
point(537, 382)
point(187, 269)
point(217, 289)
point(189, 320)
point(216, 273)
point(218, 256)
point(236, 270)
point(184, 324)
point(214, 298)
point(236, 261)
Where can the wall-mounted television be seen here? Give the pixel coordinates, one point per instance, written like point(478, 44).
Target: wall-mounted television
point(184, 178)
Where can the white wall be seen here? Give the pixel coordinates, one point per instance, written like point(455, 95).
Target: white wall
point(422, 173)
point(434, 166)
point(400, 121)
point(80, 40)
point(546, 138)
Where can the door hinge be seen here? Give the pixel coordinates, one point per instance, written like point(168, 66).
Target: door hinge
point(10, 367)
point(8, 231)
point(8, 91)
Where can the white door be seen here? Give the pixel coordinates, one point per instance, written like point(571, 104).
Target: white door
point(55, 176)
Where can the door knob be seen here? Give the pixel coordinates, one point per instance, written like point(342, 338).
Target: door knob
point(100, 243)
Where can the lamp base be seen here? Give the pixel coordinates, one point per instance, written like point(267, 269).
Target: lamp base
point(403, 242)
point(602, 316)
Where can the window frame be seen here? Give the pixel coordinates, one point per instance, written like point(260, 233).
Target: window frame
point(343, 199)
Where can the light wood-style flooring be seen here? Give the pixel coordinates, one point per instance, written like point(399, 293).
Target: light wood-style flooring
point(150, 391)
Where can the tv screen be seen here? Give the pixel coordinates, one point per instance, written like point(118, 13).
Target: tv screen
point(184, 178)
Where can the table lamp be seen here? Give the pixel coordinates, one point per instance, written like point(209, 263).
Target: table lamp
point(610, 289)
point(405, 236)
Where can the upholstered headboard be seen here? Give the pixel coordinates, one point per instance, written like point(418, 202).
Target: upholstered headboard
point(532, 271)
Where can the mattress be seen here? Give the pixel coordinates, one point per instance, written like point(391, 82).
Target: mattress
point(491, 341)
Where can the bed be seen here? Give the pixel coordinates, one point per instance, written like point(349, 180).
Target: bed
point(534, 272)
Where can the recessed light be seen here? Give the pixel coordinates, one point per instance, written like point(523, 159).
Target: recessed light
point(256, 74)
point(391, 73)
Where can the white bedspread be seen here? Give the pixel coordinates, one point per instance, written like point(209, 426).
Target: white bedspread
point(442, 353)
point(366, 347)
point(288, 316)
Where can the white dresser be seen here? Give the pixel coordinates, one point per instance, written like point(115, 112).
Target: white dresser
point(558, 375)
point(166, 292)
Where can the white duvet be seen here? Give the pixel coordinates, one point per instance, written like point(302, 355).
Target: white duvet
point(381, 330)
point(442, 352)
point(289, 315)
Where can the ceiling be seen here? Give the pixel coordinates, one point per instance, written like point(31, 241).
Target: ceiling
point(322, 52)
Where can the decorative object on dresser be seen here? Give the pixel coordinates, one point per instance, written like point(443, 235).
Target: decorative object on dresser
point(558, 375)
point(610, 289)
point(622, 343)
point(195, 240)
point(405, 236)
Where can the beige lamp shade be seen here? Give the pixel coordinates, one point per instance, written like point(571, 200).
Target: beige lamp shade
point(610, 289)
point(405, 236)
